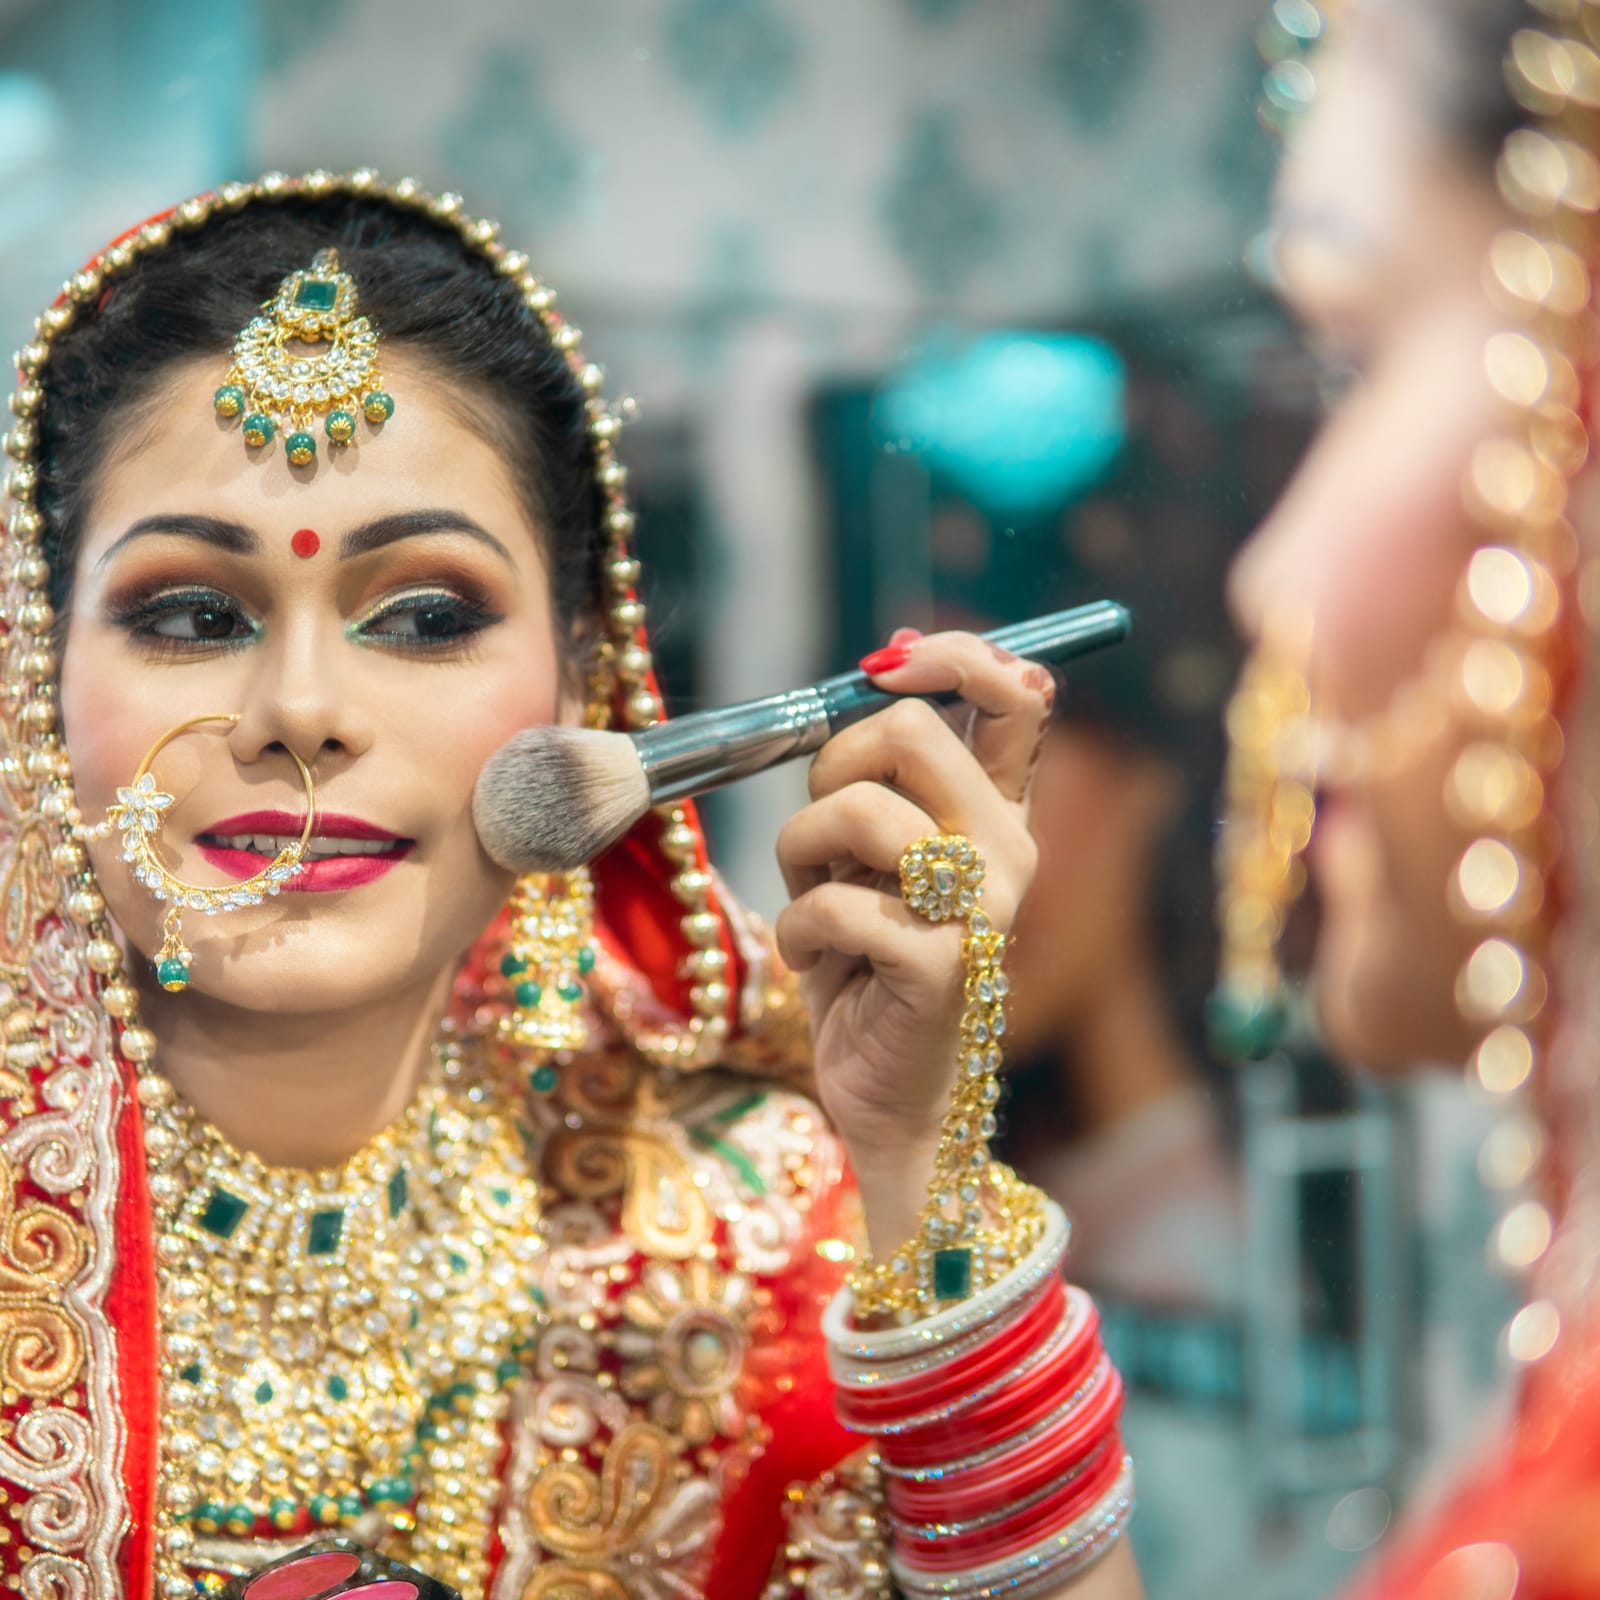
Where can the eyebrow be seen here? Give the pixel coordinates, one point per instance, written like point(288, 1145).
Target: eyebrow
point(236, 539)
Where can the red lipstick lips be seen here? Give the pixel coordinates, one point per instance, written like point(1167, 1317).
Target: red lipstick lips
point(246, 844)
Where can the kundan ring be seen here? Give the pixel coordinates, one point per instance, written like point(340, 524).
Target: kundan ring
point(941, 877)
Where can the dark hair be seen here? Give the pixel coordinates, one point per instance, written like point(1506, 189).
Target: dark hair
point(1453, 54)
point(423, 288)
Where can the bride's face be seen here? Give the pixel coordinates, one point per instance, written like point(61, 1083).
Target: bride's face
point(1384, 236)
point(394, 660)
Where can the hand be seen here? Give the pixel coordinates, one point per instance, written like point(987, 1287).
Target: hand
point(884, 988)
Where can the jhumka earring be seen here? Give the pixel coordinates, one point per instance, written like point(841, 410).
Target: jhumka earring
point(551, 951)
point(137, 813)
point(1271, 806)
point(307, 355)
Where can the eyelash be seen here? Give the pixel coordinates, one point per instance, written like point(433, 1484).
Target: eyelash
point(141, 617)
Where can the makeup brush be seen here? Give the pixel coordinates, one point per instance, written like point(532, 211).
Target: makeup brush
point(553, 798)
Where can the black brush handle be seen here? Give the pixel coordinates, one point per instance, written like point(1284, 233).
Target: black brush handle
point(692, 754)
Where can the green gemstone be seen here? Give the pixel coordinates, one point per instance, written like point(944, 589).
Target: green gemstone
point(316, 294)
point(512, 965)
point(228, 400)
point(258, 429)
point(952, 1273)
point(239, 1519)
point(544, 1079)
point(570, 989)
point(340, 426)
point(458, 1262)
point(397, 1194)
point(378, 406)
point(389, 1491)
point(173, 975)
point(281, 1513)
point(208, 1516)
point(324, 1231)
point(350, 1506)
point(324, 1509)
point(528, 995)
point(1244, 1026)
point(190, 1373)
point(263, 1392)
point(338, 1389)
point(223, 1213)
point(301, 449)
point(586, 959)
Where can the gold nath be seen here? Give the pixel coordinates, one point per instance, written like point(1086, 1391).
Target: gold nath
point(308, 355)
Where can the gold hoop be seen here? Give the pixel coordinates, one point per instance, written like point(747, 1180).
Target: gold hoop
point(137, 812)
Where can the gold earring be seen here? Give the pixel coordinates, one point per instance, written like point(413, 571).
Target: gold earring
point(552, 949)
point(1271, 806)
point(138, 813)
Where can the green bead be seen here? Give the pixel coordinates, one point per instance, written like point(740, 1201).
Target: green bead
point(528, 995)
point(508, 1370)
point(173, 975)
point(208, 1516)
point(263, 1392)
point(1244, 1026)
point(388, 1491)
point(324, 1231)
point(281, 1513)
point(350, 1506)
point(586, 960)
point(952, 1273)
point(378, 406)
point(228, 401)
point(301, 449)
point(239, 1519)
point(340, 427)
point(258, 429)
point(427, 1428)
point(543, 1079)
point(512, 965)
point(570, 989)
point(324, 1509)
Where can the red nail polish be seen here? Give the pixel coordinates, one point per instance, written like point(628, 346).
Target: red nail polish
point(886, 659)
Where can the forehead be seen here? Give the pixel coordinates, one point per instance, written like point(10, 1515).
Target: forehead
point(183, 458)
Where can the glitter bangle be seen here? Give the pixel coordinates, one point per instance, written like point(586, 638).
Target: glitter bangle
point(889, 1344)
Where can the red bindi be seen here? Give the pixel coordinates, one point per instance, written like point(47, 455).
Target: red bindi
point(305, 544)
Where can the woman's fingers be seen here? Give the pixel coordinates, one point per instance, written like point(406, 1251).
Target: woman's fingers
point(1011, 699)
point(862, 923)
point(863, 822)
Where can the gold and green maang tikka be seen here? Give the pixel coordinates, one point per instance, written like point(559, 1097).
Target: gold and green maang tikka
point(307, 355)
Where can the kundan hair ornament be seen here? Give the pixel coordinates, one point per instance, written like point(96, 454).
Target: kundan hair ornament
point(308, 355)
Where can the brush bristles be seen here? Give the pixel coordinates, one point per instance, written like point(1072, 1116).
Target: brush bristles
point(554, 798)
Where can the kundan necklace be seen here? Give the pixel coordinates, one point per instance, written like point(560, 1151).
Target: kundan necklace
point(336, 1344)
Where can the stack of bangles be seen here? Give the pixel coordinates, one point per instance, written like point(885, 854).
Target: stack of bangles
point(996, 1425)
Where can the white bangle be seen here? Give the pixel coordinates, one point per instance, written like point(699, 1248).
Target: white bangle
point(1063, 1553)
point(891, 1344)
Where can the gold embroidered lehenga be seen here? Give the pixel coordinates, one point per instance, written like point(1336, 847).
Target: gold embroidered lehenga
point(540, 1337)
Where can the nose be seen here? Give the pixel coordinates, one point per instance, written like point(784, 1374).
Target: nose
point(298, 700)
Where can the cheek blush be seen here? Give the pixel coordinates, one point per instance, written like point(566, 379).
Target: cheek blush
point(336, 1569)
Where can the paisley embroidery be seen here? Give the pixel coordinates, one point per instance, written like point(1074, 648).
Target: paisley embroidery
point(41, 1250)
point(836, 1547)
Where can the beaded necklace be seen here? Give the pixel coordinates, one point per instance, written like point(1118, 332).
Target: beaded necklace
point(336, 1344)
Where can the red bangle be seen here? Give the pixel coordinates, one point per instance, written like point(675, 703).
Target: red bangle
point(1018, 1473)
point(1061, 1503)
point(1011, 1411)
point(897, 1398)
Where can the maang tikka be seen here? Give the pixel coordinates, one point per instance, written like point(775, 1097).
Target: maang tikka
point(308, 355)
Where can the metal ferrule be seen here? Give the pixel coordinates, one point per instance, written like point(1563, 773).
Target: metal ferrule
point(686, 758)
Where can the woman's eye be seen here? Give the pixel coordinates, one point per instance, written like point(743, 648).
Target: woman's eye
point(201, 617)
point(424, 621)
